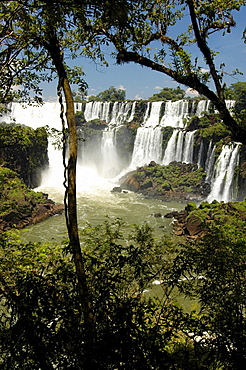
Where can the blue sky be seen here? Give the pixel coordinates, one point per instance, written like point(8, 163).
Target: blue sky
point(141, 82)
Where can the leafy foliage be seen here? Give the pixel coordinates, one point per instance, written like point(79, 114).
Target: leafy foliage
point(111, 94)
point(148, 36)
point(168, 93)
point(175, 176)
point(41, 321)
point(15, 196)
point(24, 150)
point(213, 270)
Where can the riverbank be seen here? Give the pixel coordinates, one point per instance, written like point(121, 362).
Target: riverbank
point(20, 206)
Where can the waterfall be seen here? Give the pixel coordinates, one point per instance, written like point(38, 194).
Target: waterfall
point(200, 155)
point(119, 113)
point(188, 147)
point(148, 141)
point(146, 115)
point(92, 110)
point(209, 164)
point(223, 176)
point(109, 154)
point(33, 115)
point(105, 111)
point(179, 147)
point(97, 110)
point(230, 104)
point(147, 146)
point(132, 112)
point(170, 149)
point(202, 106)
point(154, 117)
point(174, 113)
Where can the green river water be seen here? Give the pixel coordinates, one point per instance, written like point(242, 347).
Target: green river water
point(96, 202)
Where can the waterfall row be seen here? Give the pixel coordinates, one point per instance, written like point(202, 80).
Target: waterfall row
point(148, 145)
point(155, 113)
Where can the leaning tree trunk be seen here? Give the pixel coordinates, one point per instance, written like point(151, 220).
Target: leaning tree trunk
point(56, 54)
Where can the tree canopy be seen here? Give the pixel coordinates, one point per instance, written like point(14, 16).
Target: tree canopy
point(111, 94)
point(168, 93)
point(148, 34)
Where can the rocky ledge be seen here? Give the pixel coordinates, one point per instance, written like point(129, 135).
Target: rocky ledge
point(197, 221)
point(39, 212)
point(20, 206)
point(176, 182)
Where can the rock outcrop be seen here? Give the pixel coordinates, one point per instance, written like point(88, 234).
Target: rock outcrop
point(176, 182)
point(195, 222)
point(39, 212)
point(20, 206)
point(25, 151)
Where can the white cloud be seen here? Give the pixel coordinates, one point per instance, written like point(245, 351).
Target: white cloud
point(121, 87)
point(138, 97)
point(158, 88)
point(191, 92)
point(51, 99)
point(93, 90)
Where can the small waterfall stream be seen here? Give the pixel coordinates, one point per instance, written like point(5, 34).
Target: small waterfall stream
point(179, 147)
point(154, 117)
point(174, 114)
point(147, 146)
point(109, 154)
point(223, 176)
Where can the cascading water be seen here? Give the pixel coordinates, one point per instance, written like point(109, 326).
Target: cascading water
point(154, 117)
point(119, 113)
point(170, 149)
point(187, 156)
point(174, 113)
point(34, 116)
point(130, 119)
point(179, 147)
point(222, 182)
point(109, 154)
point(209, 164)
point(148, 141)
point(147, 146)
point(200, 155)
point(202, 106)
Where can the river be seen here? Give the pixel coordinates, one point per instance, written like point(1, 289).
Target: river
point(95, 204)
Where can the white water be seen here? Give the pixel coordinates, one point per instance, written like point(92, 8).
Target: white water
point(170, 149)
point(222, 182)
point(119, 113)
point(174, 114)
point(179, 147)
point(34, 116)
point(200, 155)
point(209, 165)
point(187, 156)
point(202, 106)
point(109, 154)
point(154, 117)
point(148, 142)
point(147, 146)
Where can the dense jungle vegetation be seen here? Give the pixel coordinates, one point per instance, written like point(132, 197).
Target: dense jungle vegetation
point(84, 304)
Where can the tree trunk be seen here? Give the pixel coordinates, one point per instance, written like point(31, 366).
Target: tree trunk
point(53, 47)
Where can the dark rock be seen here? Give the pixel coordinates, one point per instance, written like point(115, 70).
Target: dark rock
point(116, 189)
point(157, 215)
point(146, 185)
point(40, 213)
point(152, 164)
